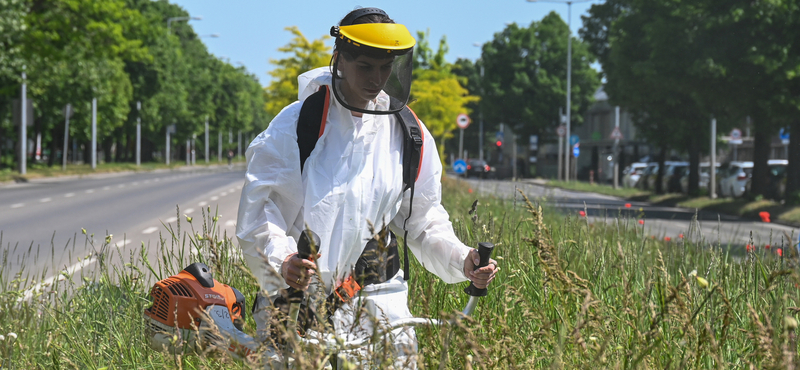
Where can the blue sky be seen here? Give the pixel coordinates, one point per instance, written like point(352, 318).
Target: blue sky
point(251, 31)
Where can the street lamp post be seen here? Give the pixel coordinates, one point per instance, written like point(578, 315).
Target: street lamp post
point(170, 20)
point(569, 72)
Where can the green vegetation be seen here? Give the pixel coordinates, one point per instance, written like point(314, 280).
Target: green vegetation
point(41, 171)
point(120, 52)
point(598, 188)
point(568, 295)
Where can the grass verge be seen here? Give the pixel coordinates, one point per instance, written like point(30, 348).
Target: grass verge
point(569, 294)
point(35, 171)
point(733, 206)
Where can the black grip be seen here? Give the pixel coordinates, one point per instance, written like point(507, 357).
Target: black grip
point(307, 246)
point(485, 252)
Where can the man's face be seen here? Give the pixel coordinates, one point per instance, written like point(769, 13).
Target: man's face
point(363, 78)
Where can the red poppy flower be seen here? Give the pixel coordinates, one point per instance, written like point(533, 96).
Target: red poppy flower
point(641, 222)
point(627, 205)
point(766, 246)
point(780, 252)
point(582, 213)
point(680, 236)
point(666, 238)
point(470, 190)
point(749, 248)
point(764, 216)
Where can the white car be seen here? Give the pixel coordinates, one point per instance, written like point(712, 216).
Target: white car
point(632, 173)
point(733, 178)
point(705, 178)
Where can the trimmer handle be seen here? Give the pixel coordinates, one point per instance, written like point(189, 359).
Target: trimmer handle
point(307, 246)
point(485, 252)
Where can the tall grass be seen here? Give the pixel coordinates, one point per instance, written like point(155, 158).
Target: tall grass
point(569, 294)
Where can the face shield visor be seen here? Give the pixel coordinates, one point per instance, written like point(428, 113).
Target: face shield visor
point(372, 67)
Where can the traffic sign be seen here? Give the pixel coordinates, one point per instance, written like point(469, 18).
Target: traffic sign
point(499, 136)
point(462, 121)
point(460, 166)
point(576, 150)
point(616, 134)
point(784, 136)
point(736, 134)
point(561, 131)
point(574, 139)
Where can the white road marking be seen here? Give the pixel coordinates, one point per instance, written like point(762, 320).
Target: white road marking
point(202, 203)
point(149, 230)
point(45, 200)
point(123, 243)
point(67, 195)
point(188, 210)
point(69, 271)
point(157, 179)
point(146, 181)
point(106, 187)
point(214, 198)
point(17, 205)
point(230, 223)
point(171, 219)
point(121, 186)
point(89, 191)
point(224, 193)
point(135, 183)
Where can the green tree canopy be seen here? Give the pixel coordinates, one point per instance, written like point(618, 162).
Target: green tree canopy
point(525, 77)
point(304, 56)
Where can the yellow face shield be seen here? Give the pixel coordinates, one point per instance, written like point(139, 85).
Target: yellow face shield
point(372, 67)
point(393, 38)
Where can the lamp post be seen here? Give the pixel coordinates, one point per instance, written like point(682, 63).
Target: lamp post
point(480, 113)
point(569, 71)
point(173, 19)
point(23, 151)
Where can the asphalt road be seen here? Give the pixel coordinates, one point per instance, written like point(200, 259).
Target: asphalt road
point(41, 221)
point(660, 222)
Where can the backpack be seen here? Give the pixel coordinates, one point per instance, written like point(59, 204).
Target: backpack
point(311, 126)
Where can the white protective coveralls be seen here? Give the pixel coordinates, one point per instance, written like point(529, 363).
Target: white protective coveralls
point(354, 176)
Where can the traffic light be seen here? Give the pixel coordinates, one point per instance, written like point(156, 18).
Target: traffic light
point(499, 146)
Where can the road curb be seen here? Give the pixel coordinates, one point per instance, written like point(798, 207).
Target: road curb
point(543, 183)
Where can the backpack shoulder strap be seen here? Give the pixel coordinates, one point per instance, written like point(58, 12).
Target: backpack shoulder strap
point(311, 122)
point(412, 158)
point(412, 145)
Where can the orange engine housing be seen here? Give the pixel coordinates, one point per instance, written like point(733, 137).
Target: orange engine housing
point(179, 300)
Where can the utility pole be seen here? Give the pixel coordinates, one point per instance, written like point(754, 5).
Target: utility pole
point(139, 133)
point(712, 186)
point(94, 133)
point(206, 156)
point(23, 127)
point(616, 150)
point(67, 113)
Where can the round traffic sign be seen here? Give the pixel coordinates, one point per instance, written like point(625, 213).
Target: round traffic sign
point(462, 121)
point(736, 134)
point(460, 166)
point(561, 131)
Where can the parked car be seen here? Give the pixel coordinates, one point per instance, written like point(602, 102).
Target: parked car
point(650, 170)
point(776, 179)
point(632, 173)
point(648, 179)
point(671, 182)
point(477, 168)
point(733, 179)
point(705, 178)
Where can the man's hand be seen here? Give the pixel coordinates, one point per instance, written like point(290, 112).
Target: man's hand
point(482, 276)
point(297, 271)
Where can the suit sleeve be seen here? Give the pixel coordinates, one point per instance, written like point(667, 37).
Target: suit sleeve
point(271, 199)
point(430, 234)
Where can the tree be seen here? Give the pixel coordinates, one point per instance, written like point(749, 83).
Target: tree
point(525, 77)
point(437, 95)
point(306, 55)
